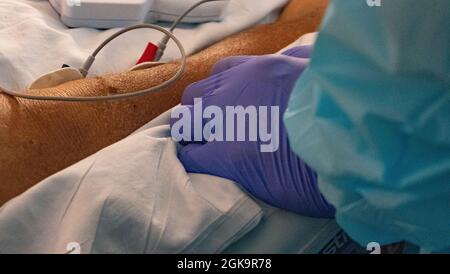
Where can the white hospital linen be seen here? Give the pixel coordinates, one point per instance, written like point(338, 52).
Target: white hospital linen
point(34, 41)
point(132, 197)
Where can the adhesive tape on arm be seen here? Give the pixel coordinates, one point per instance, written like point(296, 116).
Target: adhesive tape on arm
point(56, 78)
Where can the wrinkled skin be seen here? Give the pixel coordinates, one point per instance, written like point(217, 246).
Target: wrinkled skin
point(38, 139)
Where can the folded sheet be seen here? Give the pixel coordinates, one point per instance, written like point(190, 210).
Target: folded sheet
point(132, 197)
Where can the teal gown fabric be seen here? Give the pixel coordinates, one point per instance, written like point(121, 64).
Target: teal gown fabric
point(372, 116)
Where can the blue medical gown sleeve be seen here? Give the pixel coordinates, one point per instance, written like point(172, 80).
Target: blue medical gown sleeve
point(371, 115)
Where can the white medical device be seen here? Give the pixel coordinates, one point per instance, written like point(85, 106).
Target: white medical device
point(67, 73)
point(105, 14)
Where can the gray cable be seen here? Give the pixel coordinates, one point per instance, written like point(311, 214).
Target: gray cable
point(90, 60)
point(88, 63)
point(163, 43)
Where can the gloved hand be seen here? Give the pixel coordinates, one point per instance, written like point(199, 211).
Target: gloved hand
point(279, 178)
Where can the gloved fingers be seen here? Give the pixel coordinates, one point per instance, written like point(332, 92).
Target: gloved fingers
point(299, 52)
point(186, 125)
point(199, 158)
point(200, 89)
point(194, 90)
point(229, 62)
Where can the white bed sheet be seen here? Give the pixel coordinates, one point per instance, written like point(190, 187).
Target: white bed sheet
point(34, 41)
point(132, 197)
point(136, 197)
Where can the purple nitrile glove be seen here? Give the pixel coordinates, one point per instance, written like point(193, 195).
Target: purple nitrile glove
point(279, 177)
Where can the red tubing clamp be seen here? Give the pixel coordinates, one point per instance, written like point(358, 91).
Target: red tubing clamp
point(149, 53)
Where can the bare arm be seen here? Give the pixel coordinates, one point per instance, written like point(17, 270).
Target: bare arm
point(38, 139)
point(305, 9)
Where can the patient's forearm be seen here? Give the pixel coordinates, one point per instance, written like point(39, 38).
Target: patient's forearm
point(38, 139)
point(304, 9)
